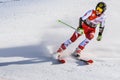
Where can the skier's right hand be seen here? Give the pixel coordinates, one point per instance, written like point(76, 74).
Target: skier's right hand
point(80, 30)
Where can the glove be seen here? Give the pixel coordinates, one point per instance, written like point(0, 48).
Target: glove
point(99, 38)
point(80, 30)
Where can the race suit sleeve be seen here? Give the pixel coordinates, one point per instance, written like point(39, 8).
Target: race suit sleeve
point(102, 25)
point(84, 17)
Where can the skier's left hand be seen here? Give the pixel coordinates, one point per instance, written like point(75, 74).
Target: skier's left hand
point(99, 38)
point(80, 30)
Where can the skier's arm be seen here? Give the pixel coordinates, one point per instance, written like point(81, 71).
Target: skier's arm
point(86, 15)
point(79, 28)
point(80, 22)
point(101, 29)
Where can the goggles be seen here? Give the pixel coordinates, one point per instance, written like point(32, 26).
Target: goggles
point(99, 9)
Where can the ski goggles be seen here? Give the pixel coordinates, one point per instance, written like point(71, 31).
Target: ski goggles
point(99, 9)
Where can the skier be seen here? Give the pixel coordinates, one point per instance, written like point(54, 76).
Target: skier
point(87, 26)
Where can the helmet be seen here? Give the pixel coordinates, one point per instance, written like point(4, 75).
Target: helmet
point(101, 5)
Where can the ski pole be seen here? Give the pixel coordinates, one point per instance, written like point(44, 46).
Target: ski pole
point(66, 24)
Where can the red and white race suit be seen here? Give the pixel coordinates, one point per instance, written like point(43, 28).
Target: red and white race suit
point(91, 21)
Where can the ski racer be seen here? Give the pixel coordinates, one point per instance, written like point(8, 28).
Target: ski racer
point(87, 25)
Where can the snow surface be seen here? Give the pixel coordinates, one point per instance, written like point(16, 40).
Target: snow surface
point(30, 34)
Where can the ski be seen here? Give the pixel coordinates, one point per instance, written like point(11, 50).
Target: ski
point(90, 61)
point(62, 61)
point(59, 59)
point(86, 61)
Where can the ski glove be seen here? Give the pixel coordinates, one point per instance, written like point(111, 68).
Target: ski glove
point(80, 30)
point(99, 37)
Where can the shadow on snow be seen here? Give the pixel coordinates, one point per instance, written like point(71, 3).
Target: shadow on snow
point(34, 53)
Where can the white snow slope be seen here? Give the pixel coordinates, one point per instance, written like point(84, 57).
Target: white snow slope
point(30, 34)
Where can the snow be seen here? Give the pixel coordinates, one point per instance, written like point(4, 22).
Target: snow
point(30, 34)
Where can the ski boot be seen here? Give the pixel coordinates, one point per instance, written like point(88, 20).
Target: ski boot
point(76, 53)
point(59, 52)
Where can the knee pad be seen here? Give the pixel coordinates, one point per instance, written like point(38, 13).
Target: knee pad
point(90, 36)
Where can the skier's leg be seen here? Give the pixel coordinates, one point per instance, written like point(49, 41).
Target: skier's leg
point(62, 48)
point(64, 45)
point(82, 45)
point(75, 36)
